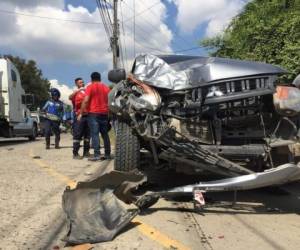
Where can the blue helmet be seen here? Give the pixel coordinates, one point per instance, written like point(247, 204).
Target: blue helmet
point(55, 92)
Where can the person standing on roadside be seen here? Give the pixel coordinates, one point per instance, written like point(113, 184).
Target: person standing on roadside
point(54, 109)
point(81, 127)
point(96, 104)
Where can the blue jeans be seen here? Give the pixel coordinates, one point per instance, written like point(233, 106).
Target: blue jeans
point(98, 123)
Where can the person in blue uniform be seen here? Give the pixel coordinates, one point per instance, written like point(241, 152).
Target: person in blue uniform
point(54, 109)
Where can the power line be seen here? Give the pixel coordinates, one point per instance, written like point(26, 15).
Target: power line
point(147, 40)
point(174, 31)
point(107, 12)
point(143, 11)
point(155, 28)
point(46, 17)
point(143, 37)
point(107, 25)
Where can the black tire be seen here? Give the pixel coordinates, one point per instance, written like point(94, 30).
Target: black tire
point(34, 133)
point(127, 156)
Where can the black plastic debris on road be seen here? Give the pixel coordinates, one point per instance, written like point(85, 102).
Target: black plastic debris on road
point(93, 211)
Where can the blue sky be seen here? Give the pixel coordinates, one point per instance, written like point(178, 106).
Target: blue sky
point(67, 39)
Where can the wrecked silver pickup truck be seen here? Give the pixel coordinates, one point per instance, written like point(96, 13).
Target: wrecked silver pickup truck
point(204, 115)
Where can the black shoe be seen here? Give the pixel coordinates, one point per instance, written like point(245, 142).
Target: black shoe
point(57, 143)
point(95, 158)
point(106, 157)
point(86, 155)
point(47, 143)
point(77, 157)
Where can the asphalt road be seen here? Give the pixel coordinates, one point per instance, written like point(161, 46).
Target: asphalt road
point(31, 217)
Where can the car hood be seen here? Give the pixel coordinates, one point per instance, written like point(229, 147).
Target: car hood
point(181, 72)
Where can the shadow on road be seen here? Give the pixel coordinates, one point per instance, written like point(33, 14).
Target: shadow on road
point(15, 141)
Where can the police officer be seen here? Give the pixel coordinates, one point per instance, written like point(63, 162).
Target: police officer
point(54, 109)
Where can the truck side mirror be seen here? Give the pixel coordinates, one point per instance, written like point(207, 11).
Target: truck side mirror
point(116, 75)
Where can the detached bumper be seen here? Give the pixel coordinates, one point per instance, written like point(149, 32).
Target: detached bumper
point(282, 174)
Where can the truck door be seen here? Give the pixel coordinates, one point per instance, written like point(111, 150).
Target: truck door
point(16, 113)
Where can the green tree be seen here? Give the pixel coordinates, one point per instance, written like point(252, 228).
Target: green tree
point(266, 30)
point(32, 80)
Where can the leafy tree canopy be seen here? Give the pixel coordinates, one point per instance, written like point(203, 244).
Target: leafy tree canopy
point(267, 31)
point(32, 79)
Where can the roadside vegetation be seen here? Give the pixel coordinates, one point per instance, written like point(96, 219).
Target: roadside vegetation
point(267, 31)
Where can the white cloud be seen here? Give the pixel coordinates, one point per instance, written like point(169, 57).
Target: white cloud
point(216, 14)
point(47, 40)
point(64, 89)
point(34, 3)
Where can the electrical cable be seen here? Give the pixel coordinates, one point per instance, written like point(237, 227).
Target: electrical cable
point(143, 11)
point(143, 37)
point(107, 24)
point(174, 31)
point(103, 21)
point(46, 17)
point(152, 25)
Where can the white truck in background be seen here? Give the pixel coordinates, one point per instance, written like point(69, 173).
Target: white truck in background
point(15, 118)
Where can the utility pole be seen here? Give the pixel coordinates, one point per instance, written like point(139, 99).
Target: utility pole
point(115, 38)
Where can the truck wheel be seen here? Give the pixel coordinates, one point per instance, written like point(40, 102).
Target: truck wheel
point(34, 133)
point(127, 148)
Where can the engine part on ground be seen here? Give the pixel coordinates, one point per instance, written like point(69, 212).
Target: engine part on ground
point(93, 211)
point(146, 201)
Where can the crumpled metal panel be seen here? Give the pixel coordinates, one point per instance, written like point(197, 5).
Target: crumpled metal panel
point(93, 211)
point(181, 72)
point(154, 71)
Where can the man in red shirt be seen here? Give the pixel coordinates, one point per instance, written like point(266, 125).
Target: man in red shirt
point(96, 104)
point(80, 127)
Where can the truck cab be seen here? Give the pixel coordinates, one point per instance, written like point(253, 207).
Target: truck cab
point(15, 118)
